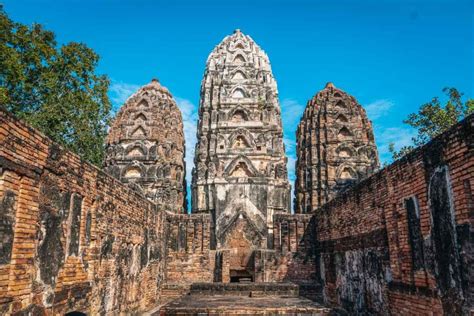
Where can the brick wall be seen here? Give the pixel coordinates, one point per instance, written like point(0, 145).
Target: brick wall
point(74, 239)
point(294, 257)
point(71, 237)
point(188, 257)
point(402, 240)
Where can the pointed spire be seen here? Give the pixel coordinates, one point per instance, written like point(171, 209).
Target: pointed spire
point(329, 85)
point(155, 84)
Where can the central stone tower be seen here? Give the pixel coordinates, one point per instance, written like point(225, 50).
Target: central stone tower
point(240, 173)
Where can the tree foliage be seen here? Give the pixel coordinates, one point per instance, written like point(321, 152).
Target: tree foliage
point(53, 88)
point(433, 118)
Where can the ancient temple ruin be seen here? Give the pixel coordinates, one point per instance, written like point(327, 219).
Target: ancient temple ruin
point(78, 240)
point(335, 148)
point(145, 147)
point(240, 174)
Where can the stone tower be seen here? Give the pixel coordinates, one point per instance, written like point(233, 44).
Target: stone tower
point(335, 148)
point(240, 173)
point(145, 147)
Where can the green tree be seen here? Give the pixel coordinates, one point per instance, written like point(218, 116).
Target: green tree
point(53, 88)
point(433, 118)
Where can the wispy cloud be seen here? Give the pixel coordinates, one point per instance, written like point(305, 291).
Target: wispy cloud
point(399, 136)
point(119, 92)
point(190, 116)
point(290, 147)
point(291, 112)
point(378, 108)
point(384, 134)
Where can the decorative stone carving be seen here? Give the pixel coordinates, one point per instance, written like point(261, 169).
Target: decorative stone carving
point(249, 136)
point(146, 145)
point(335, 148)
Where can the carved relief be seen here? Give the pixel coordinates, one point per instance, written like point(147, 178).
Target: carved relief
point(240, 170)
point(240, 143)
point(152, 119)
point(331, 163)
point(244, 94)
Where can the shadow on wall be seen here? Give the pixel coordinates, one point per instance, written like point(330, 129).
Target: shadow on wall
point(302, 260)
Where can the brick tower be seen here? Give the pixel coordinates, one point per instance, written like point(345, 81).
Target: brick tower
point(145, 147)
point(240, 173)
point(335, 148)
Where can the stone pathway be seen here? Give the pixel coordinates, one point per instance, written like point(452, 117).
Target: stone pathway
point(240, 305)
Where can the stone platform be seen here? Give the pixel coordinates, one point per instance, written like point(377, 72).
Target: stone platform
point(242, 299)
point(195, 304)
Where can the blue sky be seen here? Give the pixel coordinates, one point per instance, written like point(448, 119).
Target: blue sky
point(392, 56)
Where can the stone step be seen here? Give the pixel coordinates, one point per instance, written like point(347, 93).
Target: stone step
point(245, 289)
point(312, 291)
point(239, 305)
point(172, 291)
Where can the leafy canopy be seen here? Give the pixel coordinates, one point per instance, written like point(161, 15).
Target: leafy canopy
point(433, 118)
point(55, 89)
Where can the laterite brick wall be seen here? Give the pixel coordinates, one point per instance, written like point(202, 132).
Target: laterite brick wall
point(293, 258)
point(402, 240)
point(189, 258)
point(71, 237)
point(75, 239)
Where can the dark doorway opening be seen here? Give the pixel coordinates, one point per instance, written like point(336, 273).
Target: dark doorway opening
point(75, 313)
point(240, 276)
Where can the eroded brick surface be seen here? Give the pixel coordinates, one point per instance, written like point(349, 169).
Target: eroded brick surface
point(335, 148)
point(145, 147)
point(72, 238)
point(379, 253)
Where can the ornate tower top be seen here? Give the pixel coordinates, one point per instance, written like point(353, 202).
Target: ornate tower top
point(329, 85)
point(145, 146)
point(239, 50)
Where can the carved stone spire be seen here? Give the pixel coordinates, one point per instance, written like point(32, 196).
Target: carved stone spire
point(145, 147)
point(335, 148)
point(240, 172)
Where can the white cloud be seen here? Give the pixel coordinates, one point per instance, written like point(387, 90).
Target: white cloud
point(190, 116)
point(291, 112)
point(378, 108)
point(384, 135)
point(400, 136)
point(290, 148)
point(290, 143)
point(119, 92)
